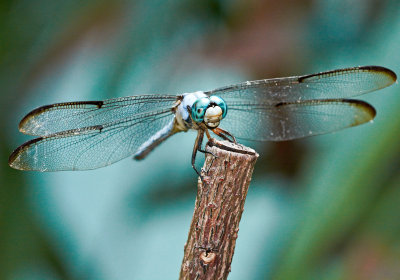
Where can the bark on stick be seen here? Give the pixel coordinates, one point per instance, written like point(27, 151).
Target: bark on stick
point(218, 208)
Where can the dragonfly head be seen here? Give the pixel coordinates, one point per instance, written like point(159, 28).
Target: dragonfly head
point(210, 110)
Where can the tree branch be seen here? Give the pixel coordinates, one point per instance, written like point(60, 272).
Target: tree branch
point(218, 209)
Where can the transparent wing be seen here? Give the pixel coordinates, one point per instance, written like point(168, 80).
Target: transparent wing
point(336, 84)
point(286, 121)
point(90, 147)
point(59, 117)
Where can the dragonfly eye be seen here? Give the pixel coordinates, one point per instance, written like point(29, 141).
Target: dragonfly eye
point(198, 109)
point(220, 103)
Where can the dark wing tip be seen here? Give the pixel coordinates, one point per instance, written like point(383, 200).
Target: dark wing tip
point(30, 115)
point(13, 159)
point(389, 75)
point(383, 70)
point(36, 112)
point(367, 112)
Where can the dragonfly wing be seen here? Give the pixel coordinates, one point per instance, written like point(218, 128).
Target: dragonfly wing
point(89, 147)
point(336, 84)
point(286, 121)
point(59, 117)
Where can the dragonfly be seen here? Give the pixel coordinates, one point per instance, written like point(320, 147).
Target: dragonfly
point(86, 135)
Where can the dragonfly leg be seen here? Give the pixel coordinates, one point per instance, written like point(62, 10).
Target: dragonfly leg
point(197, 146)
point(224, 134)
point(212, 162)
point(207, 152)
point(205, 130)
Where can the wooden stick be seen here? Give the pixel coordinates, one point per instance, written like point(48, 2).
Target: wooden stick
point(218, 209)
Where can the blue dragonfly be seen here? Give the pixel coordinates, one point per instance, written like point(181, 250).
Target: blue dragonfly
point(87, 135)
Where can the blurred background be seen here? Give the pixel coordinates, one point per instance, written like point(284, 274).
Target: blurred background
point(326, 207)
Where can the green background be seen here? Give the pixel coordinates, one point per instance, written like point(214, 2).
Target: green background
point(326, 207)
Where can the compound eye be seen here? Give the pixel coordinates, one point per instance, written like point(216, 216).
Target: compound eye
point(221, 103)
point(199, 108)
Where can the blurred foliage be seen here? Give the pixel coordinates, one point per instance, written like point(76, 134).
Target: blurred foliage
point(320, 208)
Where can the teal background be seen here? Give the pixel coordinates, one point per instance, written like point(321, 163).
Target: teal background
point(326, 207)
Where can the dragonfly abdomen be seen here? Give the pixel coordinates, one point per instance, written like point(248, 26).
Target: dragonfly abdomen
point(155, 140)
